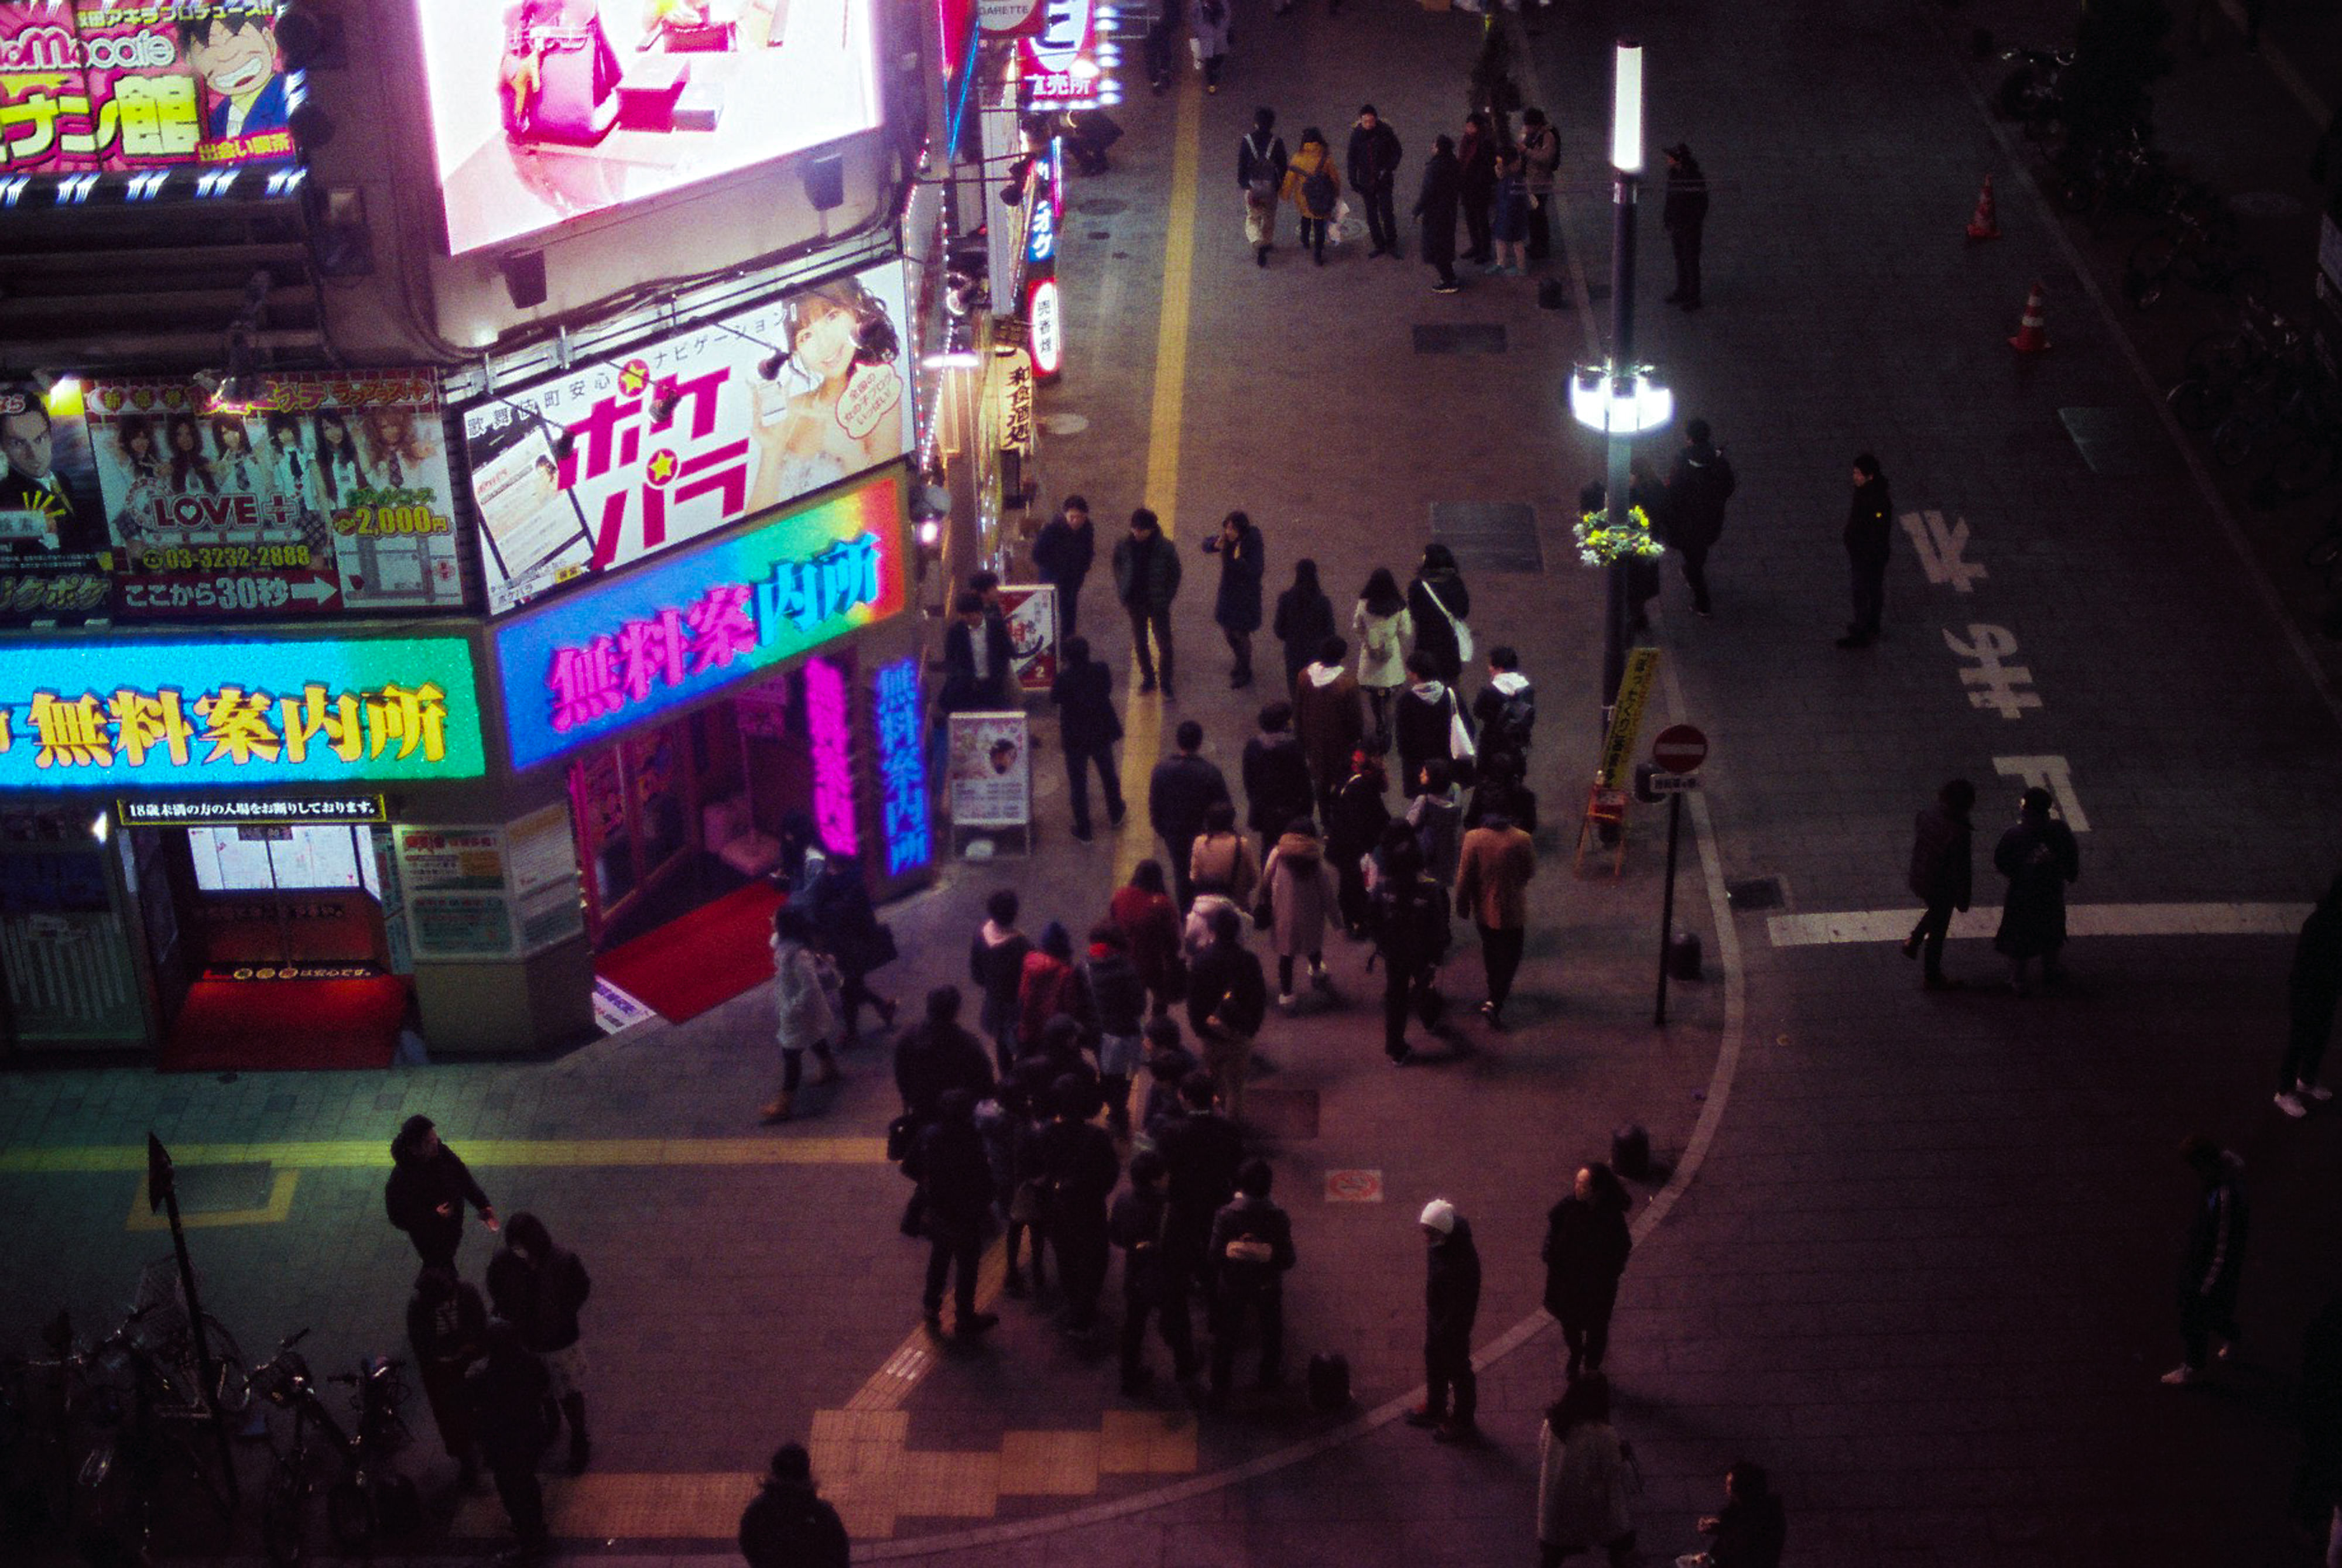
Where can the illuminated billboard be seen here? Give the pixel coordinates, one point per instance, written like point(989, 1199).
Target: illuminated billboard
point(542, 111)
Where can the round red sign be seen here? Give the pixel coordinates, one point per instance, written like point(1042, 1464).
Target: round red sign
point(1679, 749)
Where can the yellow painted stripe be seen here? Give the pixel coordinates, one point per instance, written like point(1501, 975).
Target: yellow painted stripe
point(374, 1153)
point(142, 1216)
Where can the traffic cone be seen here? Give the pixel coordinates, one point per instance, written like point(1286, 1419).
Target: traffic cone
point(2033, 331)
point(1986, 223)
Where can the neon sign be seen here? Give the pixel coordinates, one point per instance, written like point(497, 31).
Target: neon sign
point(829, 715)
point(584, 668)
point(1042, 313)
point(905, 815)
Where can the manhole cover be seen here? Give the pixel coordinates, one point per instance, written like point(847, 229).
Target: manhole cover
point(224, 1189)
point(1101, 206)
point(2267, 204)
point(1756, 892)
point(1488, 536)
point(1282, 1112)
point(1064, 423)
point(1101, 234)
point(2113, 441)
point(1460, 337)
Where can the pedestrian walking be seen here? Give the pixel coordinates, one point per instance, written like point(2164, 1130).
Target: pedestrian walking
point(1251, 1251)
point(1691, 517)
point(1750, 1531)
point(1150, 923)
point(1354, 825)
point(1301, 894)
point(1087, 728)
point(1080, 1168)
point(1492, 881)
point(1139, 1225)
point(1063, 554)
point(1046, 988)
point(1428, 723)
point(1684, 215)
point(1180, 793)
point(448, 1329)
point(1223, 858)
point(2213, 1264)
point(1384, 628)
point(804, 1013)
point(1451, 1303)
point(508, 1389)
point(1540, 158)
point(1261, 162)
point(428, 1187)
point(1373, 160)
point(1197, 936)
point(1162, 42)
point(936, 1055)
point(1435, 204)
point(2313, 987)
point(1407, 913)
point(1314, 188)
point(1439, 605)
point(2039, 857)
point(1329, 713)
point(540, 1289)
point(1236, 606)
point(1227, 1001)
point(1869, 522)
point(838, 905)
point(787, 1524)
point(977, 659)
point(1304, 619)
point(1942, 876)
point(1110, 1002)
point(1505, 713)
point(1437, 815)
point(954, 1177)
point(801, 854)
point(995, 967)
point(1586, 1244)
point(1208, 38)
point(1146, 581)
point(1497, 791)
point(1476, 185)
point(1277, 784)
point(1582, 1479)
point(1509, 217)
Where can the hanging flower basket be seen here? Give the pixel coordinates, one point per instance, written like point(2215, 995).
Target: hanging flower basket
point(1600, 544)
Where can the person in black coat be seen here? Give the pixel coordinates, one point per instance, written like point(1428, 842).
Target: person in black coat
point(1139, 1225)
point(1243, 562)
point(448, 1329)
point(1586, 1247)
point(1373, 168)
point(838, 905)
point(1475, 176)
point(954, 1177)
point(1304, 623)
point(540, 1289)
point(1942, 874)
point(1079, 1167)
point(935, 1056)
point(1182, 788)
point(2313, 988)
point(1436, 204)
point(1277, 787)
point(786, 1524)
point(1408, 917)
point(1087, 729)
point(1354, 825)
point(1692, 519)
point(1438, 603)
point(1685, 217)
point(1251, 1251)
point(1227, 1001)
point(1423, 722)
point(2039, 857)
point(1870, 522)
point(508, 1390)
point(1203, 1150)
point(427, 1190)
point(2213, 1264)
point(1063, 554)
point(977, 658)
point(1451, 1305)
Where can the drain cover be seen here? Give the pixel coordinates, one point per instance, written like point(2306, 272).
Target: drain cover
point(2113, 441)
point(1488, 536)
point(224, 1189)
point(1756, 892)
point(1460, 337)
point(1101, 206)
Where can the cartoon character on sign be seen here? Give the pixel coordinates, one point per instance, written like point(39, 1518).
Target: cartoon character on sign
point(842, 346)
point(234, 52)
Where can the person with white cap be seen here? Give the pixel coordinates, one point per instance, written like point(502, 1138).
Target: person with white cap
point(1451, 1302)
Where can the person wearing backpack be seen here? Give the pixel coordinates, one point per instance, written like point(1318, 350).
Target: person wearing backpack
point(1261, 162)
point(1408, 917)
point(1698, 485)
point(1506, 709)
point(1313, 186)
point(787, 1524)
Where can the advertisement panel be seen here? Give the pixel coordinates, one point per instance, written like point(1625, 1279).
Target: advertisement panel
point(55, 556)
point(581, 669)
point(988, 770)
point(332, 493)
point(93, 86)
point(542, 111)
point(689, 436)
point(112, 714)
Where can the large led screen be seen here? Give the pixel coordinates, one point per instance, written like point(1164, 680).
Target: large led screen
point(547, 110)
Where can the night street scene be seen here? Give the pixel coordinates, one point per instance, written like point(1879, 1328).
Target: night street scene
point(1171, 783)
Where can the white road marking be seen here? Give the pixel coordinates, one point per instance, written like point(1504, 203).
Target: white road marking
point(1939, 547)
point(2052, 773)
point(1988, 646)
point(2081, 920)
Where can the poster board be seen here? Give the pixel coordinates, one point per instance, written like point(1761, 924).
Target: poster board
point(480, 894)
point(1032, 614)
point(988, 770)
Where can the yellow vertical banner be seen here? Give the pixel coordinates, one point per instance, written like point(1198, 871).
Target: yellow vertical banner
point(1627, 718)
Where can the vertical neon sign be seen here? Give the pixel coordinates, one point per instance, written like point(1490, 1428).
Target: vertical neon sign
point(905, 817)
point(829, 718)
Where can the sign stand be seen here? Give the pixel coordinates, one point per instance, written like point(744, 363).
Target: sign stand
point(989, 779)
point(1606, 817)
point(163, 1192)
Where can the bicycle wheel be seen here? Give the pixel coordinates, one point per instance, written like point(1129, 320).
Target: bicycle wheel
point(111, 1507)
point(2149, 267)
point(284, 1520)
point(2199, 405)
point(2235, 437)
point(349, 1514)
point(2219, 359)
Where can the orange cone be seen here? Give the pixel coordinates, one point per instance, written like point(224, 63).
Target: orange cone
point(1985, 225)
point(2033, 332)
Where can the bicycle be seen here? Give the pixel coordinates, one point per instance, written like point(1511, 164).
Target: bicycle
point(166, 1442)
point(368, 1498)
point(2201, 250)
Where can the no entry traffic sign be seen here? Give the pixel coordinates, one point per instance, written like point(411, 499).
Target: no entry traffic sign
point(1679, 749)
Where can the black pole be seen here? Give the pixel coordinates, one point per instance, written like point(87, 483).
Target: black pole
point(1620, 448)
point(163, 1191)
point(1668, 901)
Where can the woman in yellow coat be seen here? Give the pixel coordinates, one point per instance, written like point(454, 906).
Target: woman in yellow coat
point(1314, 186)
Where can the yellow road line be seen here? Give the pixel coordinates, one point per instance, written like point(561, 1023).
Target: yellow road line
point(142, 1216)
point(361, 1153)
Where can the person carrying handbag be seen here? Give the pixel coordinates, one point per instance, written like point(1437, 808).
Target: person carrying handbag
point(1261, 163)
point(1314, 187)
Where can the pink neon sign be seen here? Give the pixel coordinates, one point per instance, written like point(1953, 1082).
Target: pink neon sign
point(829, 717)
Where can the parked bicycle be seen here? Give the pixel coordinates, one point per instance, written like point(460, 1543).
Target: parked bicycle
point(2200, 249)
point(162, 1447)
point(365, 1497)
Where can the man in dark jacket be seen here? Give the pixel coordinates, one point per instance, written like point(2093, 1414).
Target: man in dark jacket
point(938, 1054)
point(1942, 876)
point(1146, 581)
point(448, 1329)
point(1086, 730)
point(539, 1289)
point(1202, 1151)
point(1505, 713)
point(2214, 1259)
point(1237, 607)
point(1407, 915)
point(977, 658)
point(1372, 169)
point(508, 1390)
point(956, 1181)
point(1436, 206)
point(1063, 553)
point(1586, 1243)
point(1869, 520)
point(1139, 1227)
point(786, 1524)
point(1251, 1251)
point(2313, 989)
point(1079, 1166)
point(1684, 217)
point(1698, 485)
point(427, 1190)
point(1277, 786)
point(1182, 788)
point(1110, 1004)
point(1451, 1303)
point(1227, 998)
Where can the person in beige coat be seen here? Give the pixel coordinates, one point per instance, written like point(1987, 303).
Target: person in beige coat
point(1582, 1478)
point(1492, 883)
point(1224, 857)
point(1302, 893)
point(1383, 629)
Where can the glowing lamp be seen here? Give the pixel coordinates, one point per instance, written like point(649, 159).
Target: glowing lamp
point(1622, 405)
